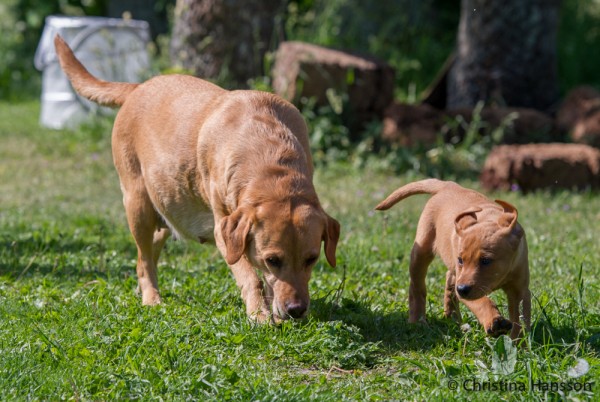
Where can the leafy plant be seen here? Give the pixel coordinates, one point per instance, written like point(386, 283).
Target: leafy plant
point(578, 34)
point(461, 156)
point(504, 355)
point(329, 137)
point(21, 26)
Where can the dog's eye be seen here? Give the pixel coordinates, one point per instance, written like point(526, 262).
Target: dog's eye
point(273, 262)
point(460, 261)
point(485, 261)
point(310, 261)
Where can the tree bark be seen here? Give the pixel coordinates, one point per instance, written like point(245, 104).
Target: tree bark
point(506, 54)
point(224, 39)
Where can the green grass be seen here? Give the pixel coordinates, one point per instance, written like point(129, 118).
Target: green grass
point(73, 328)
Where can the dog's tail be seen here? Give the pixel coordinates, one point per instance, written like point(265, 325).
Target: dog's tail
point(105, 93)
point(428, 186)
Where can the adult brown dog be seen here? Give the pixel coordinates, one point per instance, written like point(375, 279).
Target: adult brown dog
point(483, 246)
point(229, 167)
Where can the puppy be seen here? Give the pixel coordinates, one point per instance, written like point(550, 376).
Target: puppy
point(483, 246)
point(227, 167)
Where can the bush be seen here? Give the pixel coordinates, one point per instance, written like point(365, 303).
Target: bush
point(21, 26)
point(415, 37)
point(461, 157)
point(578, 39)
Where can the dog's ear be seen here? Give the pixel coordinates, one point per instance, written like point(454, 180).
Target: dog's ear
point(235, 229)
point(465, 219)
point(331, 235)
point(509, 218)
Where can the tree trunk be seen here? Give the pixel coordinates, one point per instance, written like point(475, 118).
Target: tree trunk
point(224, 39)
point(506, 54)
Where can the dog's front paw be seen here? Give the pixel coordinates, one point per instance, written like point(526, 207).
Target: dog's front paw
point(261, 316)
point(499, 326)
point(150, 297)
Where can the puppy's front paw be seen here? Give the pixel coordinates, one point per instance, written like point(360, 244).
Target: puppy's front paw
point(499, 326)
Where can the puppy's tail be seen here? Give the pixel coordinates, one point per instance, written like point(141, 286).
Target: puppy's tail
point(428, 186)
point(105, 93)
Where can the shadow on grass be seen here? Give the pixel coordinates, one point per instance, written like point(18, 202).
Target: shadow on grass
point(391, 330)
point(395, 333)
point(545, 332)
point(57, 254)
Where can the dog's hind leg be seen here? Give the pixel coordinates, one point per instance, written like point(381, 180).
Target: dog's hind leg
point(158, 242)
point(420, 258)
point(451, 305)
point(143, 221)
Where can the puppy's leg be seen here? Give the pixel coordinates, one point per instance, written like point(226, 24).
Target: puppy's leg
point(420, 258)
point(515, 298)
point(143, 221)
point(251, 288)
point(488, 315)
point(451, 306)
point(527, 308)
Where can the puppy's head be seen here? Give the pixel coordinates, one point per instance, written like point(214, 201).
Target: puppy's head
point(283, 240)
point(485, 250)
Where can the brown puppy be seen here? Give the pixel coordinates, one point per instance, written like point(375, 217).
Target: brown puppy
point(481, 243)
point(229, 167)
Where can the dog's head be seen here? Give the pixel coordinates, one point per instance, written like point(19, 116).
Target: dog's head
point(283, 240)
point(485, 249)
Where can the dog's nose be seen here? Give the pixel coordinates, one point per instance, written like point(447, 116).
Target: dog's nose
point(463, 290)
point(295, 309)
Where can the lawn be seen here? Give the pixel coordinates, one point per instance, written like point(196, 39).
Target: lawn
point(72, 326)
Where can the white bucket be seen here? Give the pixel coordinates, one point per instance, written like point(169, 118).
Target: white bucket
point(111, 49)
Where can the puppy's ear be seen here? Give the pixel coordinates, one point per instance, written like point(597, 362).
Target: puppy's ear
point(331, 235)
point(465, 219)
point(235, 229)
point(509, 218)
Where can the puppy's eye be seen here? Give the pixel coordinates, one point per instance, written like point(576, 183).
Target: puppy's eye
point(485, 261)
point(273, 262)
point(460, 261)
point(310, 261)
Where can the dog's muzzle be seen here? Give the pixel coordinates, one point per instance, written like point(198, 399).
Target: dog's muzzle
point(296, 309)
point(463, 291)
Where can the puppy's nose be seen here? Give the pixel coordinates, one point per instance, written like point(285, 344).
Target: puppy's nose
point(295, 309)
point(463, 290)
